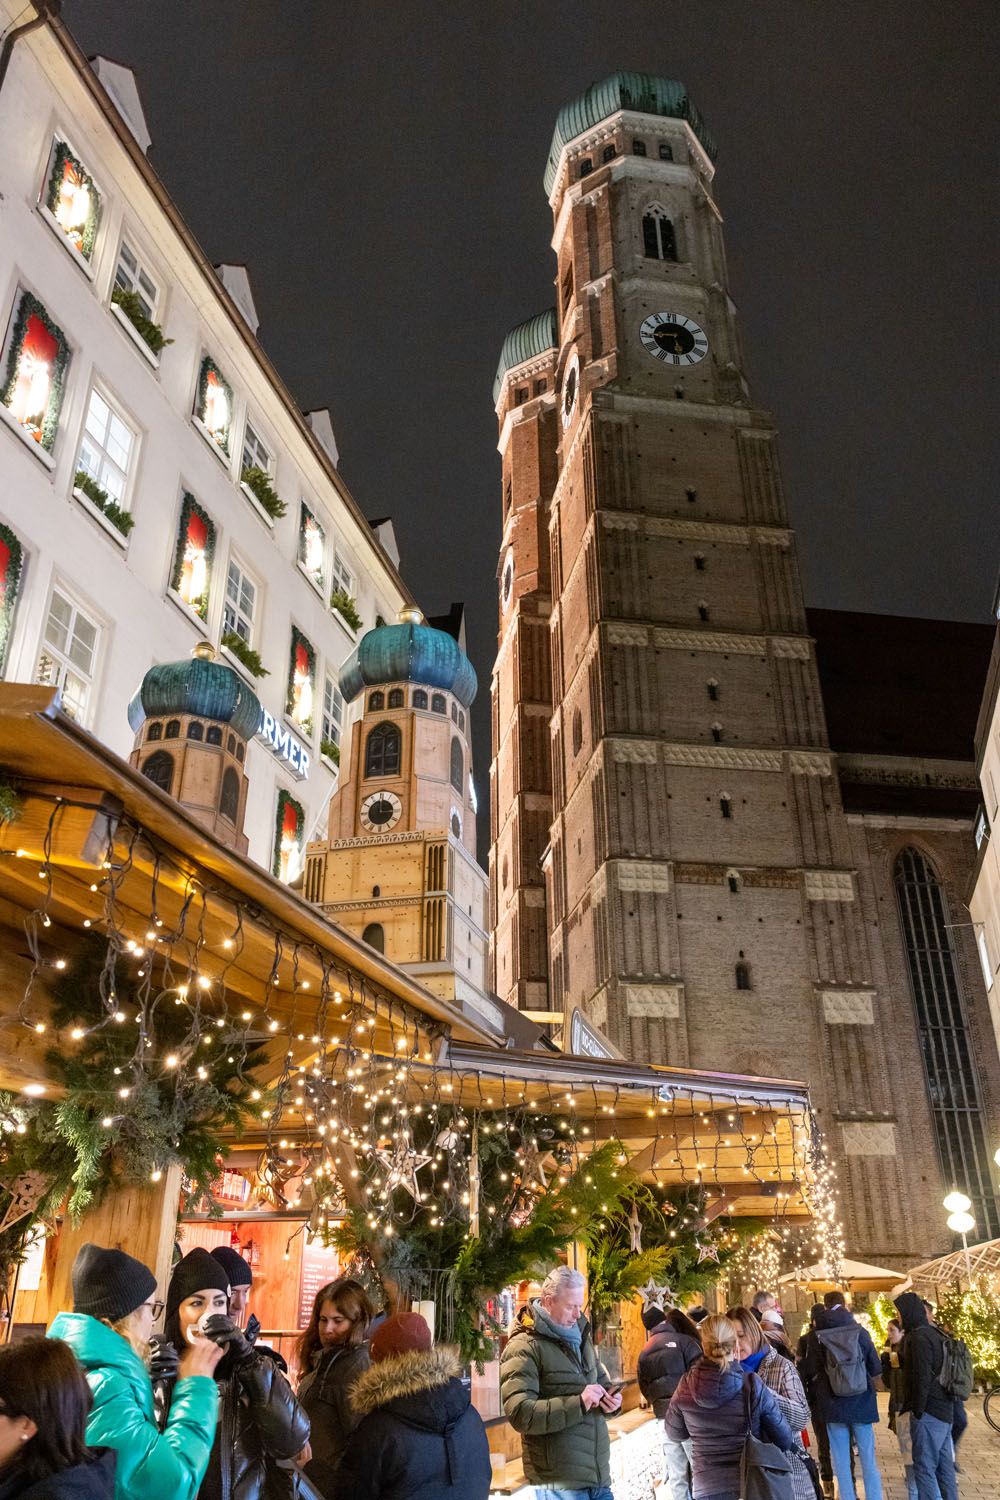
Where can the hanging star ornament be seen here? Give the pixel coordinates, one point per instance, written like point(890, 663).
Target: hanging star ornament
point(635, 1230)
point(653, 1295)
point(402, 1163)
point(535, 1163)
point(708, 1252)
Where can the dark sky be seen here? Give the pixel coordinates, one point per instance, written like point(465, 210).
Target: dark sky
point(379, 169)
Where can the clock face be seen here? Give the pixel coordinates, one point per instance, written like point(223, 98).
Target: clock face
point(571, 388)
point(508, 580)
point(380, 811)
point(675, 339)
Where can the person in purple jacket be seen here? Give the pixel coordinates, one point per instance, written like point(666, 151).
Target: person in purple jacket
point(709, 1406)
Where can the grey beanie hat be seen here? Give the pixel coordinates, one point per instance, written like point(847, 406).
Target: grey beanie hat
point(109, 1284)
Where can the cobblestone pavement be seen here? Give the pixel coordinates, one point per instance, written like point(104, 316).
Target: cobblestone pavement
point(978, 1457)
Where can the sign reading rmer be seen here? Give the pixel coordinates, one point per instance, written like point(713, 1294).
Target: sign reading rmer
point(284, 744)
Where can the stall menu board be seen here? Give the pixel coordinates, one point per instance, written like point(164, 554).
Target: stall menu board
point(320, 1264)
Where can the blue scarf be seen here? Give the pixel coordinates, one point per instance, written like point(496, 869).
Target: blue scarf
point(573, 1335)
point(753, 1360)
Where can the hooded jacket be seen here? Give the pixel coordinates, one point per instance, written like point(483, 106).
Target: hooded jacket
point(419, 1436)
point(149, 1462)
point(665, 1356)
point(709, 1407)
point(923, 1355)
point(94, 1480)
point(824, 1404)
point(541, 1378)
point(325, 1395)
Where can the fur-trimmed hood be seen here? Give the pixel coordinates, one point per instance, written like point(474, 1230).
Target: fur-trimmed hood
point(407, 1375)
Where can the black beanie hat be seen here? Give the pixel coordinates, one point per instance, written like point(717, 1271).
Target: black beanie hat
point(234, 1265)
point(195, 1272)
point(109, 1284)
point(652, 1317)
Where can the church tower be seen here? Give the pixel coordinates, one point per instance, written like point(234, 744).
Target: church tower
point(398, 866)
point(701, 900)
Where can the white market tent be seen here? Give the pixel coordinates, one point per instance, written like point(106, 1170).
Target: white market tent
point(856, 1274)
point(983, 1266)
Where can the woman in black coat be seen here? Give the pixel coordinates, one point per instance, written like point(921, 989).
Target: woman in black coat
point(44, 1404)
point(332, 1355)
point(260, 1421)
point(419, 1437)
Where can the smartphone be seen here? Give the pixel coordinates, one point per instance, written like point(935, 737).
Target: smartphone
point(615, 1387)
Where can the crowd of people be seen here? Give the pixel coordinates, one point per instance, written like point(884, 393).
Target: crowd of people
point(104, 1409)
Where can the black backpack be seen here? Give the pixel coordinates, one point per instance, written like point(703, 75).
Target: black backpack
point(844, 1360)
point(957, 1376)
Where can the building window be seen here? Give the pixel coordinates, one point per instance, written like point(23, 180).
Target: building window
point(376, 702)
point(638, 148)
point(68, 657)
point(712, 688)
point(229, 796)
point(609, 153)
point(717, 733)
point(154, 732)
point(333, 712)
point(454, 713)
point(520, 395)
point(383, 751)
point(11, 568)
point(734, 883)
point(72, 200)
point(396, 699)
point(419, 698)
point(658, 239)
point(699, 562)
point(301, 681)
point(507, 495)
point(159, 769)
point(106, 448)
point(256, 454)
point(134, 281)
point(213, 404)
point(726, 806)
point(577, 731)
point(374, 936)
point(438, 705)
point(195, 731)
point(984, 959)
point(343, 576)
point(35, 361)
point(541, 386)
point(172, 730)
point(213, 735)
point(289, 832)
point(743, 976)
point(703, 611)
point(949, 1065)
point(586, 167)
point(666, 151)
point(461, 721)
point(456, 825)
point(457, 766)
point(567, 288)
point(193, 556)
point(312, 547)
point(690, 495)
point(240, 603)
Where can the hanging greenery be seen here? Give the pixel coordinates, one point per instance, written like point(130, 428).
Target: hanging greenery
point(132, 306)
point(29, 307)
point(347, 607)
point(208, 375)
point(116, 514)
point(244, 653)
point(62, 157)
point(190, 508)
point(258, 482)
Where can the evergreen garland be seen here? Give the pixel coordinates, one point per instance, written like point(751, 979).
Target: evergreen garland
point(305, 514)
point(29, 306)
point(298, 639)
point(61, 156)
point(285, 799)
point(11, 587)
point(131, 305)
point(208, 366)
point(189, 508)
point(258, 482)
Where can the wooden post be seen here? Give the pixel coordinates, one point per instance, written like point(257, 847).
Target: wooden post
point(142, 1221)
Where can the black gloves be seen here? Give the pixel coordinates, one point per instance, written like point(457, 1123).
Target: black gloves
point(252, 1329)
point(163, 1359)
point(223, 1331)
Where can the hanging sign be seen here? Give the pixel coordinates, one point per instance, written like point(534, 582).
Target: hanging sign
point(284, 744)
point(585, 1040)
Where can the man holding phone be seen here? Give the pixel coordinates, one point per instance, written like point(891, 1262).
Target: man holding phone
point(558, 1395)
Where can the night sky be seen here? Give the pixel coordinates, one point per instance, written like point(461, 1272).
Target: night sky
point(379, 171)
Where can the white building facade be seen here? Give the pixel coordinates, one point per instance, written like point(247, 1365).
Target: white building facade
point(158, 485)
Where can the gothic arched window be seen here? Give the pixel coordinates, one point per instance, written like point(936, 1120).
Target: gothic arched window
point(159, 769)
point(659, 242)
point(382, 752)
point(173, 729)
point(396, 697)
point(229, 797)
point(457, 765)
point(374, 936)
point(154, 732)
point(375, 701)
point(949, 1065)
point(213, 735)
point(419, 698)
point(438, 705)
point(195, 731)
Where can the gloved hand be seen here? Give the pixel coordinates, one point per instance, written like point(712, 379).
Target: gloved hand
point(224, 1332)
point(163, 1359)
point(252, 1329)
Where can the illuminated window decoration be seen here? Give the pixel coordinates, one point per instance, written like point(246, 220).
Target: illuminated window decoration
point(312, 546)
point(301, 681)
point(35, 371)
point(214, 404)
point(73, 200)
point(193, 556)
point(289, 833)
point(11, 565)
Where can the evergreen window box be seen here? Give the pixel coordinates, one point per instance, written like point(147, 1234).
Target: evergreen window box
point(34, 375)
point(234, 645)
point(346, 607)
point(213, 407)
point(145, 334)
point(191, 578)
point(301, 689)
point(26, 438)
point(108, 519)
point(329, 751)
point(11, 568)
point(72, 204)
point(256, 485)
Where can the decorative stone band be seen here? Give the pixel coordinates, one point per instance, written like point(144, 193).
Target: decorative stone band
point(898, 770)
point(404, 837)
point(720, 757)
point(847, 1007)
point(642, 875)
point(654, 1002)
point(696, 531)
point(763, 877)
point(869, 1138)
point(828, 885)
point(794, 647)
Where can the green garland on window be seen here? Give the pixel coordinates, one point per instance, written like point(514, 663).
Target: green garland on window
point(303, 513)
point(285, 799)
point(27, 306)
point(11, 587)
point(189, 508)
point(63, 155)
point(208, 366)
point(298, 639)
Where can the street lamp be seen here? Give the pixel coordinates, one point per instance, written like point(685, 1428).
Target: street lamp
point(960, 1221)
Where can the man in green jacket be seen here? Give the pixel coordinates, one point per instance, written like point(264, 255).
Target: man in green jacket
point(556, 1394)
point(114, 1309)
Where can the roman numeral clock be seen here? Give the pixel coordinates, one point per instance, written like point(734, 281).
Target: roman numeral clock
point(673, 338)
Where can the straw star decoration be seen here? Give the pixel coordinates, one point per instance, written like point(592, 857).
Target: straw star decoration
point(402, 1163)
point(708, 1252)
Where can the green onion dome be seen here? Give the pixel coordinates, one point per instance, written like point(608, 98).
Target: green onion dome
point(411, 651)
point(200, 686)
point(526, 341)
point(643, 93)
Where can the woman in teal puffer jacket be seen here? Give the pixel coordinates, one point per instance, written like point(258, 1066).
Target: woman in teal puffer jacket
point(112, 1318)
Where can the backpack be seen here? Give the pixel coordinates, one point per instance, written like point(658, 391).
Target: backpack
point(844, 1360)
point(957, 1376)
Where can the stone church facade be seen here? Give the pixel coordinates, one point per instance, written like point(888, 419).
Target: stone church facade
point(677, 848)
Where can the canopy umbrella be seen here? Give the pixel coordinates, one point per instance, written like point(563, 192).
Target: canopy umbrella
point(856, 1274)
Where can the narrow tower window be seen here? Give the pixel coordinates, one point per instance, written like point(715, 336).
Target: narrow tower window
point(395, 697)
point(717, 733)
point(438, 705)
point(699, 562)
point(743, 976)
point(229, 797)
point(374, 936)
point(586, 167)
point(375, 702)
point(734, 882)
point(154, 732)
point(638, 148)
point(419, 698)
point(725, 806)
point(666, 151)
point(382, 752)
point(457, 765)
point(609, 153)
point(658, 239)
point(159, 769)
point(713, 689)
point(691, 495)
point(703, 610)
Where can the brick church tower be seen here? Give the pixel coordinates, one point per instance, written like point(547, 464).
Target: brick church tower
point(701, 898)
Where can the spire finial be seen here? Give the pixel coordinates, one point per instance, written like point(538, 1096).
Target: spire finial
point(204, 651)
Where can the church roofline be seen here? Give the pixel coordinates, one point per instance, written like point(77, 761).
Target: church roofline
point(528, 340)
